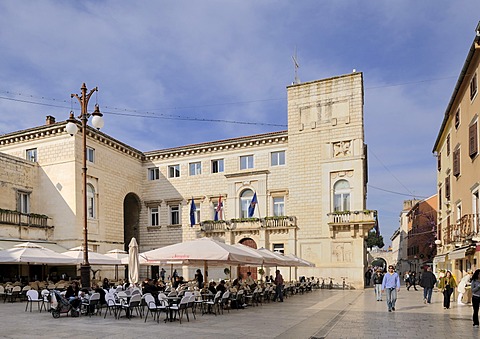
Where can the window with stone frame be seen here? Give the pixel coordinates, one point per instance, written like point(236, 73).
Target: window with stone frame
point(154, 216)
point(278, 206)
point(473, 140)
point(439, 161)
point(457, 118)
point(448, 145)
point(32, 154)
point(153, 173)
point(174, 215)
point(23, 202)
point(246, 162)
point(473, 86)
point(447, 187)
point(456, 162)
point(174, 171)
point(195, 168)
point(217, 166)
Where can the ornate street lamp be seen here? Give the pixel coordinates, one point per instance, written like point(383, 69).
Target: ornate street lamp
point(71, 128)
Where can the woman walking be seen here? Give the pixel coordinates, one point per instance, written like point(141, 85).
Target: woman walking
point(475, 296)
point(446, 285)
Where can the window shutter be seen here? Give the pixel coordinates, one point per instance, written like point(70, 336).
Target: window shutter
point(472, 140)
point(447, 188)
point(456, 162)
point(439, 161)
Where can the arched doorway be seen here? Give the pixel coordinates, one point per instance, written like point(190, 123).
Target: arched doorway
point(244, 269)
point(131, 217)
point(380, 263)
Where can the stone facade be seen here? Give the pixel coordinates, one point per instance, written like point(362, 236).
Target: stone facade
point(310, 183)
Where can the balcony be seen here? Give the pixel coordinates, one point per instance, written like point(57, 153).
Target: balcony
point(358, 223)
point(30, 226)
point(466, 228)
point(222, 226)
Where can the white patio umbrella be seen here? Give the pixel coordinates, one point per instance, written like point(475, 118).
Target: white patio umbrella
point(94, 258)
point(117, 254)
point(133, 262)
point(203, 250)
point(33, 253)
point(300, 261)
point(283, 261)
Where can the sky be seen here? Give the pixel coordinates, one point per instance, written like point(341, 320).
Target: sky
point(174, 73)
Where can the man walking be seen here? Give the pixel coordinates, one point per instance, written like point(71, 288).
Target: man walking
point(278, 286)
point(391, 285)
point(428, 282)
point(413, 281)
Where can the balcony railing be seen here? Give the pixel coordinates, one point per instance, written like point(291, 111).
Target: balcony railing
point(351, 217)
point(16, 218)
point(249, 223)
point(465, 228)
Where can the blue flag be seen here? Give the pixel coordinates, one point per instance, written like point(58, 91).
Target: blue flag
point(193, 209)
point(253, 203)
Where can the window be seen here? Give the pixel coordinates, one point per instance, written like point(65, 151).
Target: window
point(448, 145)
point(197, 213)
point(277, 158)
point(153, 173)
point(174, 171)
point(246, 162)
point(245, 200)
point(279, 248)
point(154, 216)
point(218, 211)
point(456, 162)
point(174, 215)
point(473, 86)
point(439, 161)
point(459, 211)
point(90, 154)
point(457, 118)
point(472, 140)
point(217, 166)
point(195, 168)
point(439, 199)
point(32, 155)
point(278, 206)
point(23, 202)
point(447, 188)
point(341, 196)
point(91, 203)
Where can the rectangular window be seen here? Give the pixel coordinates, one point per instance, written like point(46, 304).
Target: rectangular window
point(439, 199)
point(195, 168)
point(447, 188)
point(457, 118)
point(217, 166)
point(246, 162)
point(90, 154)
point(448, 145)
point(456, 162)
point(174, 215)
point(154, 216)
point(277, 158)
point(439, 161)
point(32, 155)
point(473, 86)
point(23, 202)
point(197, 213)
point(174, 171)
point(279, 248)
point(472, 140)
point(278, 206)
point(153, 173)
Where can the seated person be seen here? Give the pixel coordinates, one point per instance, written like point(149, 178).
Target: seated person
point(221, 287)
point(211, 287)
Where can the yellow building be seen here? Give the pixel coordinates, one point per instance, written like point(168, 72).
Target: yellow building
point(458, 172)
point(309, 182)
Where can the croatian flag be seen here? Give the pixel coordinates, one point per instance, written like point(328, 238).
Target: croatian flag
point(218, 210)
point(253, 203)
point(193, 209)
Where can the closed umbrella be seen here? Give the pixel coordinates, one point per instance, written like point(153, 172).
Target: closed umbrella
point(133, 262)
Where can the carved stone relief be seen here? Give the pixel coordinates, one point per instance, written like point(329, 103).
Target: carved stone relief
point(342, 149)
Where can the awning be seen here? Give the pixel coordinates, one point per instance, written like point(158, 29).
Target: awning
point(458, 253)
point(6, 244)
point(439, 258)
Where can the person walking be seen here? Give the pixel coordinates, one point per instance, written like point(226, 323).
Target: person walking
point(428, 281)
point(391, 285)
point(412, 281)
point(368, 277)
point(377, 282)
point(162, 274)
point(462, 286)
point(446, 285)
point(278, 286)
point(475, 296)
point(199, 279)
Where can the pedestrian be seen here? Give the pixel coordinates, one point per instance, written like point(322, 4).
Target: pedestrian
point(162, 274)
point(377, 282)
point(475, 296)
point(278, 286)
point(391, 285)
point(368, 276)
point(446, 285)
point(462, 286)
point(412, 281)
point(199, 279)
point(428, 282)
point(406, 278)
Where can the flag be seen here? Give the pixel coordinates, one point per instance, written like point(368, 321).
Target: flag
point(193, 209)
point(219, 210)
point(253, 203)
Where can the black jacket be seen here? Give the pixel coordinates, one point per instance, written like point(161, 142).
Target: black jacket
point(378, 278)
point(428, 279)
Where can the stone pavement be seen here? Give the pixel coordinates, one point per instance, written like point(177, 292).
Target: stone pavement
point(317, 314)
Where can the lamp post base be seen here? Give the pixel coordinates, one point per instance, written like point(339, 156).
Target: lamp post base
point(85, 275)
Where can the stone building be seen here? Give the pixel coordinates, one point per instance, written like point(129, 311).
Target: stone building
point(309, 182)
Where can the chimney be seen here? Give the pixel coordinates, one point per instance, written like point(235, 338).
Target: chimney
point(50, 120)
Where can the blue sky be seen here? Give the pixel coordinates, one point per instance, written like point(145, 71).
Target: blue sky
point(159, 65)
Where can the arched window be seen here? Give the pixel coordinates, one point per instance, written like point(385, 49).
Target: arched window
point(91, 202)
point(341, 196)
point(245, 200)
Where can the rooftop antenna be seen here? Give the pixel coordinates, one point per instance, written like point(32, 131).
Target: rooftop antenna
point(295, 66)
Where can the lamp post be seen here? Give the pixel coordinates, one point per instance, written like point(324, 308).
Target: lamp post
point(71, 128)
